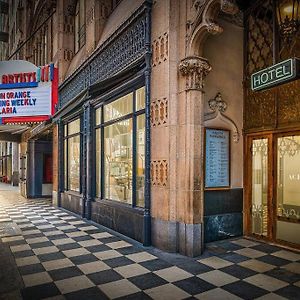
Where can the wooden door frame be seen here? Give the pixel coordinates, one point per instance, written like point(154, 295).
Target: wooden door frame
point(272, 137)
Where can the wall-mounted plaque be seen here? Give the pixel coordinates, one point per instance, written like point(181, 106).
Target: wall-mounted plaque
point(217, 158)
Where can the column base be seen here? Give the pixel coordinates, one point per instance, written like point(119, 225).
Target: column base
point(177, 237)
point(54, 198)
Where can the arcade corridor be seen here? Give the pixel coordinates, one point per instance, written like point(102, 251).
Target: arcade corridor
point(46, 252)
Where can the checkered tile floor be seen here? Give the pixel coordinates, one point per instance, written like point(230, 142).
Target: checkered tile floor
point(60, 256)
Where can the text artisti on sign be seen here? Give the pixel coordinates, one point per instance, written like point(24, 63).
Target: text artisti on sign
point(28, 95)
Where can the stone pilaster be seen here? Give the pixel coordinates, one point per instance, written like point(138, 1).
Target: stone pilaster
point(194, 69)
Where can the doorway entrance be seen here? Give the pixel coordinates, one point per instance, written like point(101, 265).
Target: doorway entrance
point(272, 191)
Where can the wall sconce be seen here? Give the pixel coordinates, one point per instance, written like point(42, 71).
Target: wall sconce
point(288, 15)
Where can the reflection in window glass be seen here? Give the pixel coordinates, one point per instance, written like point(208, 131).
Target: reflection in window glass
point(140, 159)
point(288, 177)
point(118, 108)
point(98, 162)
point(74, 163)
point(65, 163)
point(98, 115)
point(118, 161)
point(140, 98)
point(288, 189)
point(74, 127)
point(260, 186)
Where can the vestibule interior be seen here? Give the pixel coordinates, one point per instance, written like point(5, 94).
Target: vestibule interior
point(223, 216)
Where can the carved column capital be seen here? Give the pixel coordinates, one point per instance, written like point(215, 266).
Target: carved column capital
point(195, 69)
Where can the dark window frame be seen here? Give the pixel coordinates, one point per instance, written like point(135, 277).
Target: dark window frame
point(101, 126)
point(66, 137)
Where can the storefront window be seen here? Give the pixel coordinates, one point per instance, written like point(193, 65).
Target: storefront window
point(123, 149)
point(140, 98)
point(140, 160)
point(118, 161)
point(72, 156)
point(98, 162)
point(118, 108)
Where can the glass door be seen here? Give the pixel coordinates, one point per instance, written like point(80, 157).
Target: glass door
point(259, 191)
point(287, 214)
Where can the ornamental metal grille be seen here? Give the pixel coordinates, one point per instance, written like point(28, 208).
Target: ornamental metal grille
point(120, 52)
point(278, 107)
point(259, 38)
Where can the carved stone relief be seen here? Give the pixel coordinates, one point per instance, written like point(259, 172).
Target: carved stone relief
point(160, 49)
point(90, 16)
point(195, 69)
point(159, 112)
point(218, 107)
point(68, 24)
point(203, 21)
point(68, 54)
point(159, 172)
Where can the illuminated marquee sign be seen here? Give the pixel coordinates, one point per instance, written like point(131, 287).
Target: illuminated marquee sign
point(280, 73)
point(27, 93)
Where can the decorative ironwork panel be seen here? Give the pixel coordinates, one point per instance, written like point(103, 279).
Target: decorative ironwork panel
point(260, 109)
point(289, 103)
point(120, 52)
point(259, 38)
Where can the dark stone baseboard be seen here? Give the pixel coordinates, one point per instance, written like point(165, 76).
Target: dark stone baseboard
point(119, 217)
point(72, 202)
point(222, 226)
point(186, 239)
point(223, 214)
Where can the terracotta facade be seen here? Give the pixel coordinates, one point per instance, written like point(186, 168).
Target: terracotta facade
point(190, 57)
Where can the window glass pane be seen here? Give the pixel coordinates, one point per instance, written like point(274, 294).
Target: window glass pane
point(140, 161)
point(65, 163)
point(74, 163)
point(260, 186)
point(98, 162)
point(118, 108)
point(118, 161)
point(74, 127)
point(66, 130)
point(288, 177)
point(288, 189)
point(98, 116)
point(140, 98)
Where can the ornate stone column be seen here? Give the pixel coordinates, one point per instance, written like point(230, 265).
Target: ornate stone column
point(194, 69)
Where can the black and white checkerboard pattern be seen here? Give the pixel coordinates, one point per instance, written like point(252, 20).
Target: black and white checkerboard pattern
point(61, 256)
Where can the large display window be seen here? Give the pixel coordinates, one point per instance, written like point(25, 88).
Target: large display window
point(120, 149)
point(72, 147)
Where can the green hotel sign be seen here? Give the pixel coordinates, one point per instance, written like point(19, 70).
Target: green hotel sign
point(280, 73)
